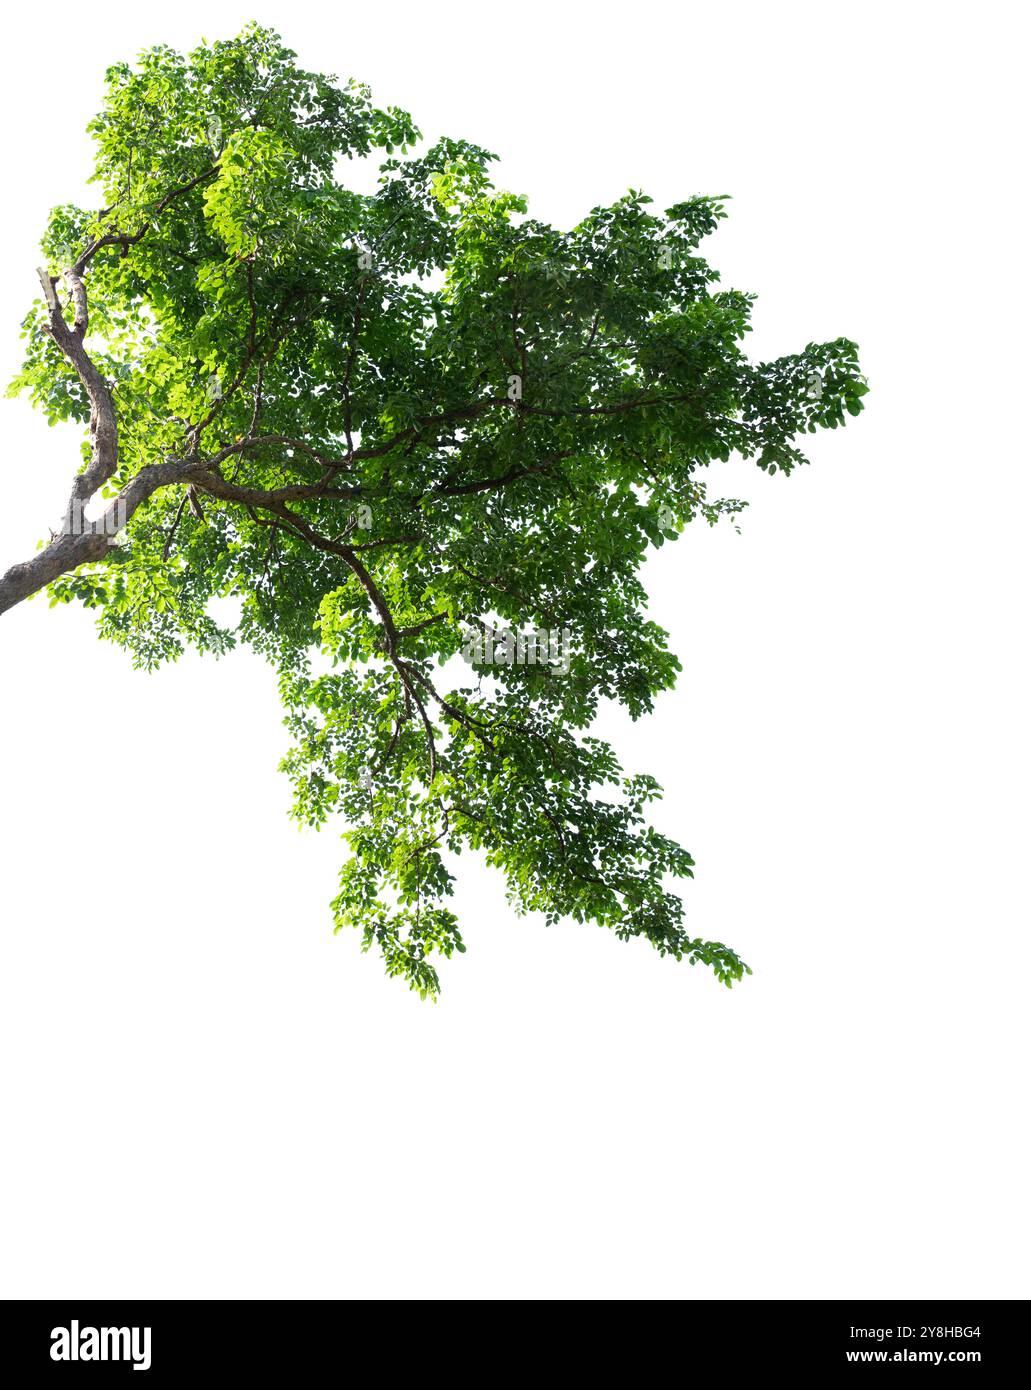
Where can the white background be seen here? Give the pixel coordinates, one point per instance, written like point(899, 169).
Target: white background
point(205, 1094)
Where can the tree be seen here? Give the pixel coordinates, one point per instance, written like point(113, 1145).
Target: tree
point(404, 430)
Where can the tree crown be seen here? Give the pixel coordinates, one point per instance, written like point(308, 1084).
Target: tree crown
point(417, 431)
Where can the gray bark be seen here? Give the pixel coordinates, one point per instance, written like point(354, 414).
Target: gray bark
point(68, 551)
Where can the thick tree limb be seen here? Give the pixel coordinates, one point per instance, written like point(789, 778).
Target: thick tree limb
point(103, 425)
point(68, 552)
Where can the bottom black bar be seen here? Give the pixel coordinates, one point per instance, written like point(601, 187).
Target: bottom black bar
point(173, 1343)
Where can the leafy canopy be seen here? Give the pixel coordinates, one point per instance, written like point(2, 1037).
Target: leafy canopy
point(385, 421)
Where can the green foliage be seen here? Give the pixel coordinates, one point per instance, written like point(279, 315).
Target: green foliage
point(492, 422)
